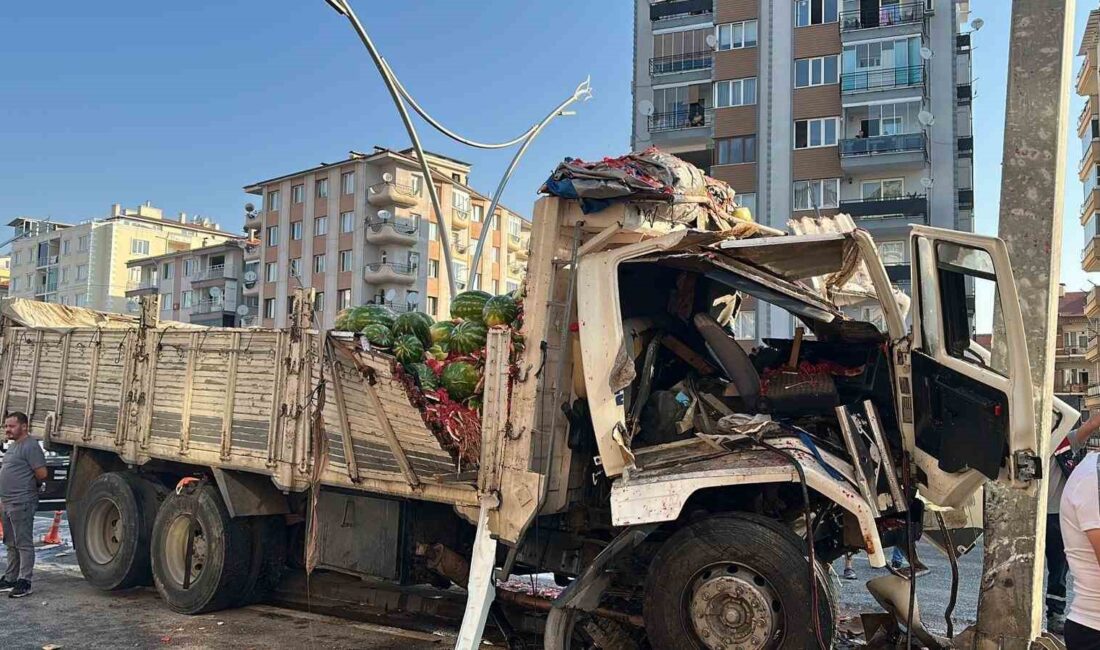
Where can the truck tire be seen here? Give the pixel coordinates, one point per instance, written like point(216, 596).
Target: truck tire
point(734, 581)
point(112, 527)
point(221, 552)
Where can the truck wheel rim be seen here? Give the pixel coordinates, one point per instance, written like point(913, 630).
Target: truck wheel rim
point(731, 607)
point(175, 549)
point(103, 534)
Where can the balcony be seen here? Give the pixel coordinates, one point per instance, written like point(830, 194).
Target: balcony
point(903, 151)
point(515, 268)
point(1068, 352)
point(692, 117)
point(213, 274)
point(1086, 76)
point(907, 209)
point(1092, 352)
point(888, 79)
point(382, 195)
point(1090, 157)
point(460, 217)
point(141, 288)
point(885, 16)
point(458, 245)
point(683, 62)
point(392, 230)
point(524, 246)
point(1090, 262)
point(47, 260)
point(1092, 396)
point(680, 9)
point(1085, 116)
point(515, 242)
point(210, 307)
point(1092, 308)
point(1069, 389)
point(389, 273)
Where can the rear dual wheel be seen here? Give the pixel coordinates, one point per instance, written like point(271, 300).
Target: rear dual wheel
point(111, 528)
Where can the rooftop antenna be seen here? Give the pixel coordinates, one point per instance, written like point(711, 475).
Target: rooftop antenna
point(583, 92)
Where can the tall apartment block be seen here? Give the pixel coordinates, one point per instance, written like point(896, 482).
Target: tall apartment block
point(1073, 370)
point(855, 106)
point(84, 265)
point(1088, 170)
point(362, 230)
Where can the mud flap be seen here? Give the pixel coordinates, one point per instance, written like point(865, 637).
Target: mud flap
point(480, 591)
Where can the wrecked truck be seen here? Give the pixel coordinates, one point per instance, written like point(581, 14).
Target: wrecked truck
point(667, 475)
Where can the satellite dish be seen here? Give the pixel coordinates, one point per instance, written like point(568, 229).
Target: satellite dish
point(390, 295)
point(645, 107)
point(248, 207)
point(388, 177)
point(926, 182)
point(977, 24)
point(926, 53)
point(242, 310)
point(711, 40)
point(250, 276)
point(384, 214)
point(926, 118)
point(413, 299)
point(215, 292)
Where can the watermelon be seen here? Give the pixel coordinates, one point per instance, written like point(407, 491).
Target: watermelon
point(468, 305)
point(468, 337)
point(408, 349)
point(424, 376)
point(378, 334)
point(343, 321)
point(438, 352)
point(413, 323)
point(499, 310)
point(375, 314)
point(460, 380)
point(441, 331)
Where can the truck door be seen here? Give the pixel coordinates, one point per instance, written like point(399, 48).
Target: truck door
point(973, 413)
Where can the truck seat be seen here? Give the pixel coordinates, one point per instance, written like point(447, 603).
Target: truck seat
point(731, 357)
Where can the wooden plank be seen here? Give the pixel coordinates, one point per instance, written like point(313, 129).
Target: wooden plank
point(276, 399)
point(32, 388)
point(230, 396)
point(345, 425)
point(391, 437)
point(10, 337)
point(93, 374)
point(150, 391)
point(59, 408)
point(185, 431)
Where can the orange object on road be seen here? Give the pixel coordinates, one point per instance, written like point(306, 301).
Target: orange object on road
point(53, 536)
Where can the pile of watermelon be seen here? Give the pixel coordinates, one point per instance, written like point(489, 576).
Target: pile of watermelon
point(441, 363)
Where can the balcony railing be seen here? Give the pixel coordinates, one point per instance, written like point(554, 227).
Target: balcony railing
point(678, 8)
point(688, 118)
point(208, 306)
point(209, 273)
point(403, 269)
point(882, 144)
point(887, 79)
point(1070, 388)
point(682, 62)
point(400, 188)
point(885, 16)
point(133, 285)
point(913, 207)
point(403, 226)
point(1094, 391)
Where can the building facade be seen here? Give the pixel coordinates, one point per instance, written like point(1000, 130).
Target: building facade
point(85, 265)
point(1088, 170)
point(1073, 369)
point(204, 285)
point(363, 230)
point(855, 106)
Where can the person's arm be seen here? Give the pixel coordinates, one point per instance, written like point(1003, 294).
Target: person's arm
point(1094, 539)
point(1080, 436)
point(37, 461)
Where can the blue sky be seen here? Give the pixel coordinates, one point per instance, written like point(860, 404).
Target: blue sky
point(183, 103)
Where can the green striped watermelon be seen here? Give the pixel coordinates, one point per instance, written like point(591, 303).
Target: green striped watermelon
point(343, 321)
point(414, 323)
point(460, 380)
point(376, 314)
point(438, 352)
point(408, 349)
point(499, 310)
point(468, 305)
point(468, 337)
point(379, 335)
point(441, 331)
point(424, 376)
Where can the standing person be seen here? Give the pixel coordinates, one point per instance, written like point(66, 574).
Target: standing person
point(1079, 516)
point(22, 471)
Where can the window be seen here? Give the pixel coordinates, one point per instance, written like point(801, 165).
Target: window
point(295, 230)
point(868, 55)
point(188, 296)
point(295, 267)
point(166, 271)
point(814, 12)
point(273, 235)
point(433, 268)
point(297, 193)
point(273, 201)
point(892, 252)
point(66, 248)
point(166, 302)
point(82, 272)
point(271, 272)
point(82, 243)
point(318, 263)
point(81, 300)
point(345, 261)
point(269, 308)
point(456, 177)
point(510, 286)
point(416, 183)
point(747, 200)
point(513, 227)
point(322, 188)
point(343, 298)
point(460, 200)
point(347, 221)
point(15, 284)
point(731, 151)
point(496, 287)
point(735, 36)
point(479, 213)
point(188, 268)
point(818, 71)
point(496, 222)
point(320, 226)
point(347, 183)
point(818, 132)
point(744, 325)
point(433, 232)
point(433, 305)
point(494, 255)
point(821, 193)
point(139, 246)
point(319, 301)
point(884, 188)
point(477, 281)
point(735, 92)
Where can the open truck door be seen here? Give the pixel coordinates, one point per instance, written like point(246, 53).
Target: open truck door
point(972, 416)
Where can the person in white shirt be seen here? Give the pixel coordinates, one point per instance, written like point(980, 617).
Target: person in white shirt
point(1080, 522)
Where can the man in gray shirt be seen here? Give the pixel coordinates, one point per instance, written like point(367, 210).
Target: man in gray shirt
point(22, 470)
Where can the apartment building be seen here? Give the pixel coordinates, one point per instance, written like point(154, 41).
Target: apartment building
point(855, 106)
point(204, 285)
point(5, 275)
point(1073, 370)
point(84, 265)
point(1088, 170)
point(363, 230)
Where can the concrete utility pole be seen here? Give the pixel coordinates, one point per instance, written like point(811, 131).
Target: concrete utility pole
point(1032, 182)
